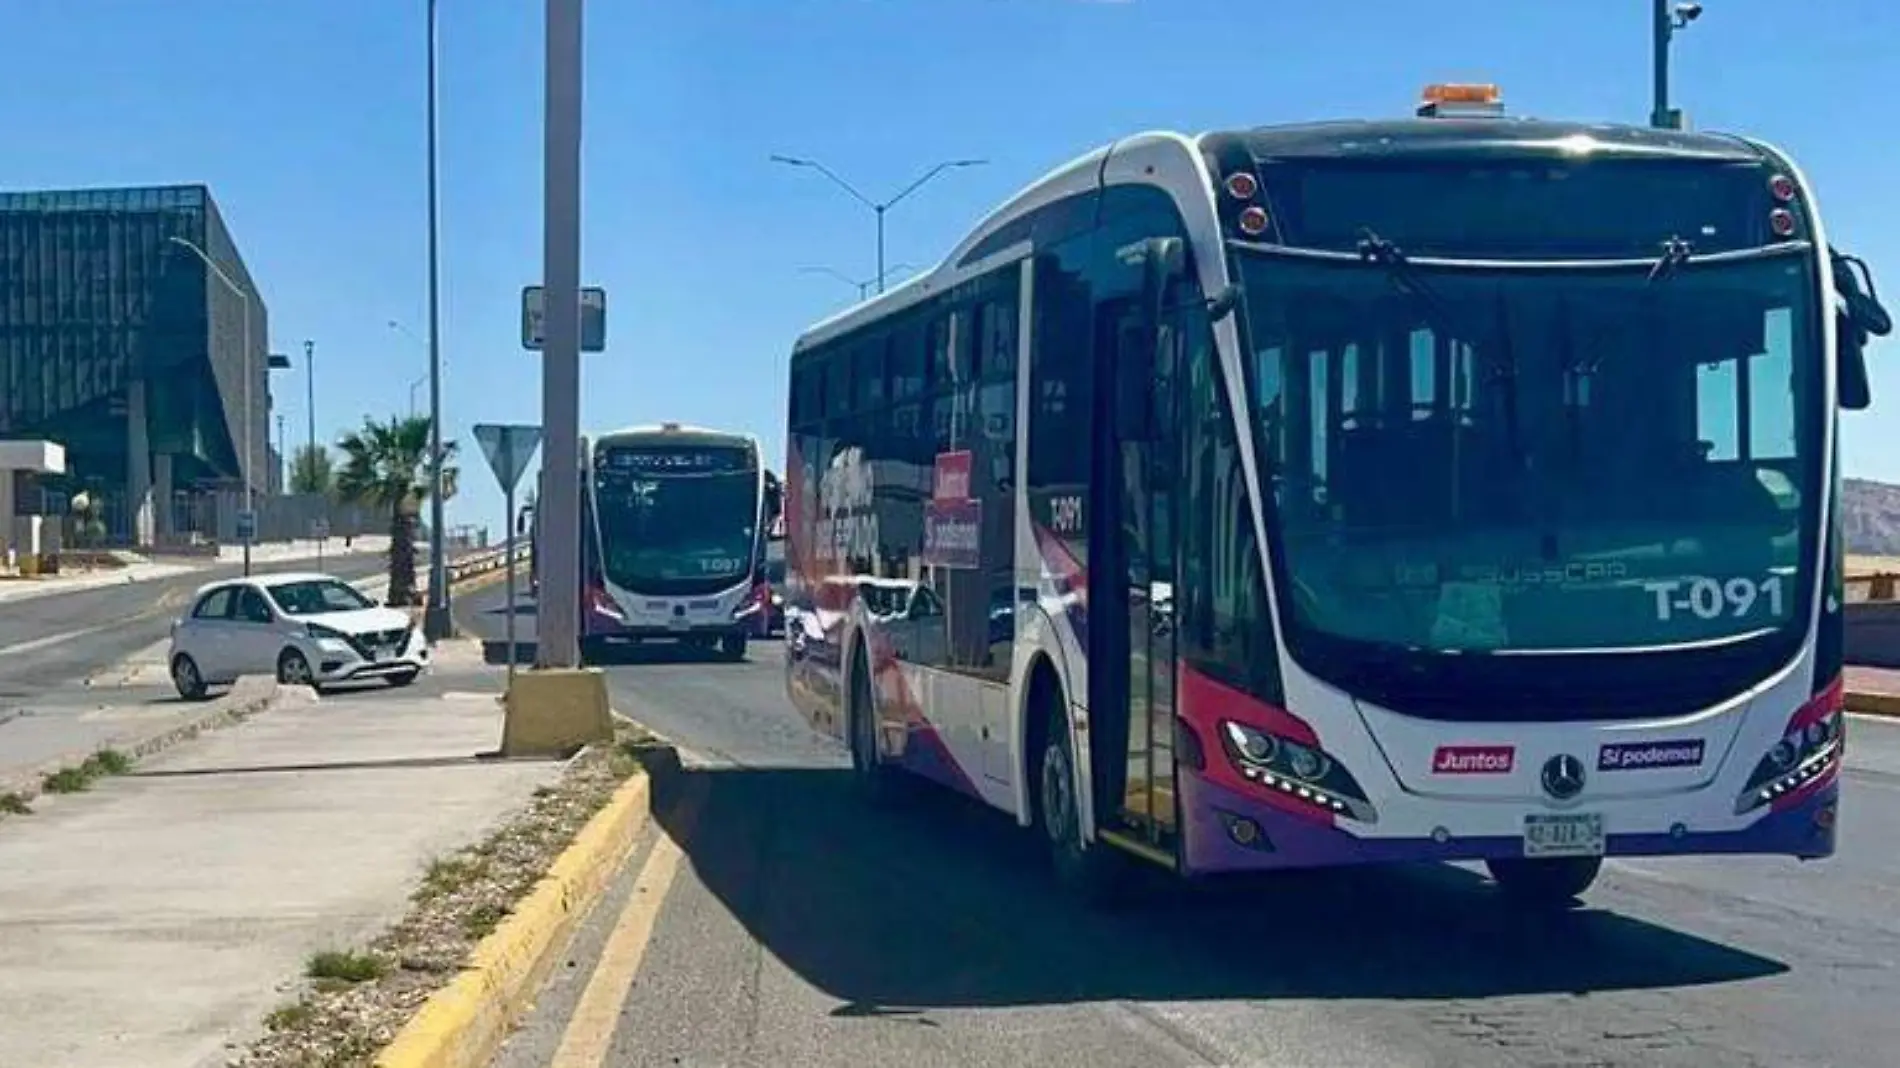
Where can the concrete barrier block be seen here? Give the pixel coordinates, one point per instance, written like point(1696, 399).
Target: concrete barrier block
point(555, 711)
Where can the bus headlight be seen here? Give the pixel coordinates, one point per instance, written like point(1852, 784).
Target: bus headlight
point(1296, 770)
point(1811, 747)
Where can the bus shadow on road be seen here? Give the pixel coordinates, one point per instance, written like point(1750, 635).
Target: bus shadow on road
point(938, 902)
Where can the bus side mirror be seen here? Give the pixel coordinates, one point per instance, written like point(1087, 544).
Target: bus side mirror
point(1860, 317)
point(1850, 364)
point(1223, 303)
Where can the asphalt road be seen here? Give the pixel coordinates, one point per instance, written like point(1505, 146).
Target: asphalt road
point(53, 645)
point(791, 925)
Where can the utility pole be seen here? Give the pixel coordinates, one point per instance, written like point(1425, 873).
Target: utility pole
point(557, 618)
point(283, 459)
point(435, 618)
point(1665, 19)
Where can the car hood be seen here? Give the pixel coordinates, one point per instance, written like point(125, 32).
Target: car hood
point(361, 621)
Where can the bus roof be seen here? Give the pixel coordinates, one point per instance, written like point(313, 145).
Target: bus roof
point(1413, 138)
point(675, 433)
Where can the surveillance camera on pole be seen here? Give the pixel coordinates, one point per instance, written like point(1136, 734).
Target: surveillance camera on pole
point(1667, 20)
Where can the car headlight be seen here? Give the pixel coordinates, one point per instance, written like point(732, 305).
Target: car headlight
point(322, 633)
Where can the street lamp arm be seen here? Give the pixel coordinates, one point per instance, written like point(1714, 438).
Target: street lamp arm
point(812, 164)
point(932, 173)
point(212, 266)
point(833, 272)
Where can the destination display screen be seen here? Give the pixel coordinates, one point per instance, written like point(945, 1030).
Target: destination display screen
point(676, 461)
point(1523, 209)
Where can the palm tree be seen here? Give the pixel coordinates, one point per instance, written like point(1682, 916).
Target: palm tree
point(385, 466)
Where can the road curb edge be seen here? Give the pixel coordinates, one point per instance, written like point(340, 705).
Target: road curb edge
point(250, 696)
point(465, 1022)
point(1873, 704)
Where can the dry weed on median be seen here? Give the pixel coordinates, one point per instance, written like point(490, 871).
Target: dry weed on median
point(336, 1023)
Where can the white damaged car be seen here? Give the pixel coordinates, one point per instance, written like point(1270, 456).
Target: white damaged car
point(307, 629)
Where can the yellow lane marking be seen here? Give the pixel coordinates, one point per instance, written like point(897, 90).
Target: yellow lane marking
point(590, 1031)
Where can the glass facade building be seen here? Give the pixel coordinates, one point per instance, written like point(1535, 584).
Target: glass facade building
point(118, 343)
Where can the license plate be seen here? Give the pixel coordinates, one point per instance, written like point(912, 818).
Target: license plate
point(1568, 834)
point(680, 623)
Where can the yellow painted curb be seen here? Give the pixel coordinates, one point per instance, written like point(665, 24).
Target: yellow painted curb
point(463, 1024)
point(1873, 704)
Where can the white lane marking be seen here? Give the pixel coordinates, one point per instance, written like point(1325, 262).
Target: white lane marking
point(21, 648)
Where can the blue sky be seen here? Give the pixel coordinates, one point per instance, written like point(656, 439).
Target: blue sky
point(306, 119)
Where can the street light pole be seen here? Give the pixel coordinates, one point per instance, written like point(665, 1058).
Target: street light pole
point(878, 207)
point(1665, 19)
point(557, 623)
point(310, 391)
point(435, 618)
point(250, 428)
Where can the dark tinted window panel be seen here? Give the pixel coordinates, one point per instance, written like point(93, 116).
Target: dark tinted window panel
point(838, 397)
point(869, 374)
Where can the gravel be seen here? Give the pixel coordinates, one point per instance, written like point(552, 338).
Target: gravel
point(335, 1024)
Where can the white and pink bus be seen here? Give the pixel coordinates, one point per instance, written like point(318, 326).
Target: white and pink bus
point(1450, 488)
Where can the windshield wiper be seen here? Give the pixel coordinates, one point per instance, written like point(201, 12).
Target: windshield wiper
point(1675, 253)
point(1404, 278)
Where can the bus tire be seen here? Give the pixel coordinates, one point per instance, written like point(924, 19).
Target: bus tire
point(1085, 869)
point(1551, 882)
point(876, 781)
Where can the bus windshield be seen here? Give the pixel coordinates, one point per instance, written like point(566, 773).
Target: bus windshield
point(663, 531)
point(1466, 460)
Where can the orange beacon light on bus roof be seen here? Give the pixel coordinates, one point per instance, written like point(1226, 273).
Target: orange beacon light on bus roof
point(1460, 98)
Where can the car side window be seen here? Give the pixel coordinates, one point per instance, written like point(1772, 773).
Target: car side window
point(214, 605)
point(252, 609)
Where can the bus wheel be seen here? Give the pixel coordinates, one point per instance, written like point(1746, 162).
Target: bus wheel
point(877, 782)
point(1553, 882)
point(1085, 869)
point(733, 645)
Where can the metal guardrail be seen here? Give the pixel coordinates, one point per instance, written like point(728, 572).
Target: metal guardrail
point(486, 560)
point(1880, 586)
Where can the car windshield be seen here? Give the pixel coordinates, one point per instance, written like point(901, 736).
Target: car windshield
point(676, 533)
point(315, 597)
point(1485, 460)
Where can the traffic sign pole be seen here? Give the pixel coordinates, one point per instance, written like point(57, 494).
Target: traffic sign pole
point(509, 495)
point(508, 448)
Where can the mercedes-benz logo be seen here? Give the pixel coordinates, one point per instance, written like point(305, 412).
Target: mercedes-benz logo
point(1563, 776)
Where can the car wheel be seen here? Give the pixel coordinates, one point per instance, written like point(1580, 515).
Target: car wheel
point(187, 678)
point(1547, 883)
point(294, 670)
point(402, 679)
point(734, 646)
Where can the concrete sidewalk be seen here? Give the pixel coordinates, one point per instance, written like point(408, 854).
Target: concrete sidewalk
point(153, 922)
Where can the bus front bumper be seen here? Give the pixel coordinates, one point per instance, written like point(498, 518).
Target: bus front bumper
point(1229, 832)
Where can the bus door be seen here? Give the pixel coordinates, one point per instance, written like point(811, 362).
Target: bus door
point(1131, 598)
